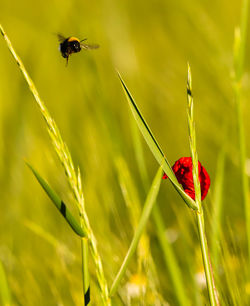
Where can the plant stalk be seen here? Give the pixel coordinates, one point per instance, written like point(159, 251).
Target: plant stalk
point(85, 271)
point(73, 178)
point(244, 178)
point(205, 258)
point(197, 188)
point(167, 250)
point(239, 58)
point(148, 206)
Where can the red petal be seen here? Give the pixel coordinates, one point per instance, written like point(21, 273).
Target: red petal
point(183, 172)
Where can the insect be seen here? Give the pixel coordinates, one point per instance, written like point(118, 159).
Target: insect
point(73, 45)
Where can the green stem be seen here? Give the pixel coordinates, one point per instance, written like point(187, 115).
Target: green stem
point(196, 179)
point(167, 250)
point(97, 260)
point(85, 270)
point(218, 205)
point(137, 235)
point(239, 57)
point(205, 258)
point(239, 52)
point(5, 295)
point(73, 178)
point(242, 146)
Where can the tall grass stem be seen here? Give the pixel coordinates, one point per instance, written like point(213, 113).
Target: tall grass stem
point(168, 254)
point(5, 295)
point(150, 200)
point(74, 179)
point(199, 213)
point(239, 58)
point(85, 270)
point(218, 206)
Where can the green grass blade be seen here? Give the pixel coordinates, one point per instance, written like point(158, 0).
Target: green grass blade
point(129, 191)
point(73, 176)
point(239, 57)
point(59, 204)
point(218, 206)
point(151, 197)
point(139, 155)
point(168, 253)
point(154, 146)
point(145, 259)
point(4, 288)
point(85, 270)
point(199, 214)
point(240, 42)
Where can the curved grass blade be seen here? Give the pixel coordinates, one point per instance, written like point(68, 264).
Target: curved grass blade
point(154, 146)
point(59, 204)
point(73, 177)
point(4, 288)
point(218, 206)
point(168, 253)
point(240, 42)
point(145, 260)
point(150, 200)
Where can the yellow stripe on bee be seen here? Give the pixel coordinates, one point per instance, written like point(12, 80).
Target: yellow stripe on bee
point(72, 39)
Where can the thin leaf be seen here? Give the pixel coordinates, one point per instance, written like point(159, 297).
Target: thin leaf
point(4, 288)
point(240, 42)
point(239, 58)
point(85, 270)
point(66, 160)
point(60, 205)
point(151, 197)
point(154, 146)
point(218, 206)
point(168, 253)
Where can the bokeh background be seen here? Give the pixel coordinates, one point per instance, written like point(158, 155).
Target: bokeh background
point(149, 43)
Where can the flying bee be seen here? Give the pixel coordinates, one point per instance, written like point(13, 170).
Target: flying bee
point(73, 45)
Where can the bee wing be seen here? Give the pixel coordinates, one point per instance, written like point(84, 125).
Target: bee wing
point(61, 37)
point(89, 46)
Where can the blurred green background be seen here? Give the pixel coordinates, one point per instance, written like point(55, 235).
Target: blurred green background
point(149, 43)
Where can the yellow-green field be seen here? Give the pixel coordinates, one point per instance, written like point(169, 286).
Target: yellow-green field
point(150, 44)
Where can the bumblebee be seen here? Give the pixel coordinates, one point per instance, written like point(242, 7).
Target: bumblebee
point(73, 45)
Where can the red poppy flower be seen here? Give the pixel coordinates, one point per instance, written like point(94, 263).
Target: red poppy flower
point(183, 172)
